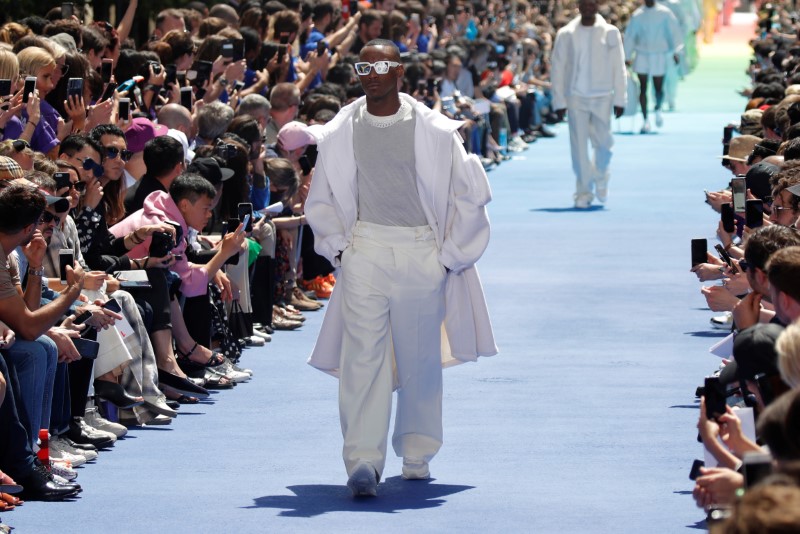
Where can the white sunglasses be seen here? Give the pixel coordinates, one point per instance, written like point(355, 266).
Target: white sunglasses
point(381, 67)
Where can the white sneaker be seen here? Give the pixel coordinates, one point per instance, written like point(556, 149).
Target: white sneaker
point(59, 444)
point(95, 420)
point(601, 194)
point(722, 322)
point(659, 119)
point(158, 404)
point(582, 204)
point(63, 456)
point(364, 481)
point(646, 127)
point(62, 469)
point(415, 469)
point(263, 335)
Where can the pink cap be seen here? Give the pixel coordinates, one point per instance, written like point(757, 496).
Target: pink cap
point(294, 135)
point(141, 131)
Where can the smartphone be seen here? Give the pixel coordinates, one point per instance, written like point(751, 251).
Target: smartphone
point(305, 165)
point(431, 86)
point(245, 215)
point(109, 92)
point(281, 52)
point(186, 97)
point(67, 10)
point(321, 47)
point(284, 38)
point(727, 134)
point(66, 256)
point(238, 49)
point(82, 318)
point(202, 70)
point(739, 191)
point(62, 180)
point(172, 74)
point(5, 88)
point(724, 256)
point(699, 251)
point(86, 347)
point(727, 218)
point(715, 396)
point(105, 70)
point(125, 109)
point(227, 51)
point(30, 87)
point(756, 466)
point(694, 472)
point(421, 87)
point(113, 305)
point(754, 213)
point(75, 87)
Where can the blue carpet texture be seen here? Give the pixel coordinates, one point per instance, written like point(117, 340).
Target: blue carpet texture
point(584, 423)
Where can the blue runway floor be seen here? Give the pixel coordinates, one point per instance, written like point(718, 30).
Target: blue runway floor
point(585, 422)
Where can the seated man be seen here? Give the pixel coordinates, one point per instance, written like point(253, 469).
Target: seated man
point(164, 160)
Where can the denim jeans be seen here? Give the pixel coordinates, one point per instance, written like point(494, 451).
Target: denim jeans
point(32, 371)
point(60, 415)
point(16, 455)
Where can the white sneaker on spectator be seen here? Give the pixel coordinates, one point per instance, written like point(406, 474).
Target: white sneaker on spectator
point(95, 420)
point(415, 469)
point(226, 369)
point(58, 443)
point(263, 335)
point(722, 322)
point(91, 431)
point(63, 456)
point(158, 404)
point(659, 119)
point(63, 470)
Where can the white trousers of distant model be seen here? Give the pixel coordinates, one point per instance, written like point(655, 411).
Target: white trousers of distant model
point(393, 306)
point(590, 122)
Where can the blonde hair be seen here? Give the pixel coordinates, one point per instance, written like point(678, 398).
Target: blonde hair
point(9, 65)
point(33, 59)
point(788, 348)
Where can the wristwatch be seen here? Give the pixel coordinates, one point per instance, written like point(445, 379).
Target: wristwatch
point(222, 81)
point(35, 272)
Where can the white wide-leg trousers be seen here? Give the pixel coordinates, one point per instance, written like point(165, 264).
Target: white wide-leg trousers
point(590, 121)
point(393, 304)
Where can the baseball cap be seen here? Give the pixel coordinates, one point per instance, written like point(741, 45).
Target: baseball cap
point(294, 135)
point(210, 169)
point(60, 204)
point(750, 123)
point(741, 147)
point(758, 179)
point(179, 136)
point(754, 350)
point(141, 131)
point(9, 169)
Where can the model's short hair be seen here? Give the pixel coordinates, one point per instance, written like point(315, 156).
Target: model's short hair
point(191, 186)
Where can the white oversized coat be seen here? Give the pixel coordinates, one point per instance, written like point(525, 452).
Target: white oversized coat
point(454, 191)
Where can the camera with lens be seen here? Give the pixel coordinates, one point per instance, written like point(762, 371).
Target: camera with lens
point(161, 244)
point(225, 150)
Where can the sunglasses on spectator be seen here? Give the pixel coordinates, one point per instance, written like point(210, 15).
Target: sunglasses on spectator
point(20, 144)
point(80, 187)
point(90, 164)
point(113, 152)
point(64, 69)
point(743, 265)
point(47, 218)
point(381, 67)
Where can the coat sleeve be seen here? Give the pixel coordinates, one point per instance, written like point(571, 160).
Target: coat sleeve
point(323, 217)
point(558, 63)
point(617, 64)
point(467, 231)
point(631, 38)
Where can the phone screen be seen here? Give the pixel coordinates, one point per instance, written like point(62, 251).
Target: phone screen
point(727, 218)
point(75, 87)
point(112, 305)
point(62, 180)
point(227, 50)
point(756, 466)
point(125, 109)
point(246, 212)
point(67, 10)
point(186, 97)
point(109, 92)
point(754, 213)
point(106, 70)
point(321, 47)
point(30, 87)
point(739, 191)
point(172, 73)
point(699, 251)
point(66, 256)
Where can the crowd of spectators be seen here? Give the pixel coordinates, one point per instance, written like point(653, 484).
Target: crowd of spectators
point(152, 193)
point(750, 481)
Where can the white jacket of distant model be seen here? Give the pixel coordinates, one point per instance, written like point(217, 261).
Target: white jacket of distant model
point(454, 191)
point(607, 62)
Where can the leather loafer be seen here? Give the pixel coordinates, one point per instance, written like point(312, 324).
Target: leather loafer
point(39, 485)
point(115, 394)
point(181, 385)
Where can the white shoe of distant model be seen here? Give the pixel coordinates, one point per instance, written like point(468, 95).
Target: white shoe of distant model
point(646, 127)
point(415, 469)
point(582, 204)
point(602, 194)
point(659, 119)
point(722, 322)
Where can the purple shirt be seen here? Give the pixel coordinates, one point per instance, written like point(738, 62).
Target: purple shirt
point(45, 135)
